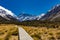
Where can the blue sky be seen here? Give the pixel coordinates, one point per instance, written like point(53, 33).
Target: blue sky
point(34, 7)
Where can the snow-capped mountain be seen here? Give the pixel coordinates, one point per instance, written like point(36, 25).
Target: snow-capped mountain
point(6, 14)
point(25, 17)
point(40, 16)
point(53, 14)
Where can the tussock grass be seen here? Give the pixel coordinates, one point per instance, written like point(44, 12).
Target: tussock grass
point(8, 30)
point(43, 33)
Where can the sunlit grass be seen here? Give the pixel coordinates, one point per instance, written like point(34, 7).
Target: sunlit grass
point(8, 30)
point(43, 33)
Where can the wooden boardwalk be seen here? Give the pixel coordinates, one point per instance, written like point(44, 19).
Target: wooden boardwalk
point(23, 35)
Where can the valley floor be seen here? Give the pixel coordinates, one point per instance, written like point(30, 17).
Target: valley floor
point(10, 32)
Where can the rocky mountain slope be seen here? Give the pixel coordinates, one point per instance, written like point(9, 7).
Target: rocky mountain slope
point(7, 15)
point(53, 14)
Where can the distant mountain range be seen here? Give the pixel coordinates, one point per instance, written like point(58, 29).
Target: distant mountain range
point(8, 15)
point(25, 17)
point(51, 15)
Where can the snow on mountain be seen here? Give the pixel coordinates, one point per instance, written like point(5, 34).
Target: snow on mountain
point(40, 16)
point(25, 17)
point(52, 14)
point(7, 11)
point(7, 14)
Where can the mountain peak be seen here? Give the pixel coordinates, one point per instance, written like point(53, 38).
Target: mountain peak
point(40, 16)
point(25, 14)
point(52, 14)
point(6, 10)
point(7, 15)
point(58, 5)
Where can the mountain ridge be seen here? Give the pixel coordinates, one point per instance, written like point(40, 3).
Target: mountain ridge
point(7, 15)
point(50, 15)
